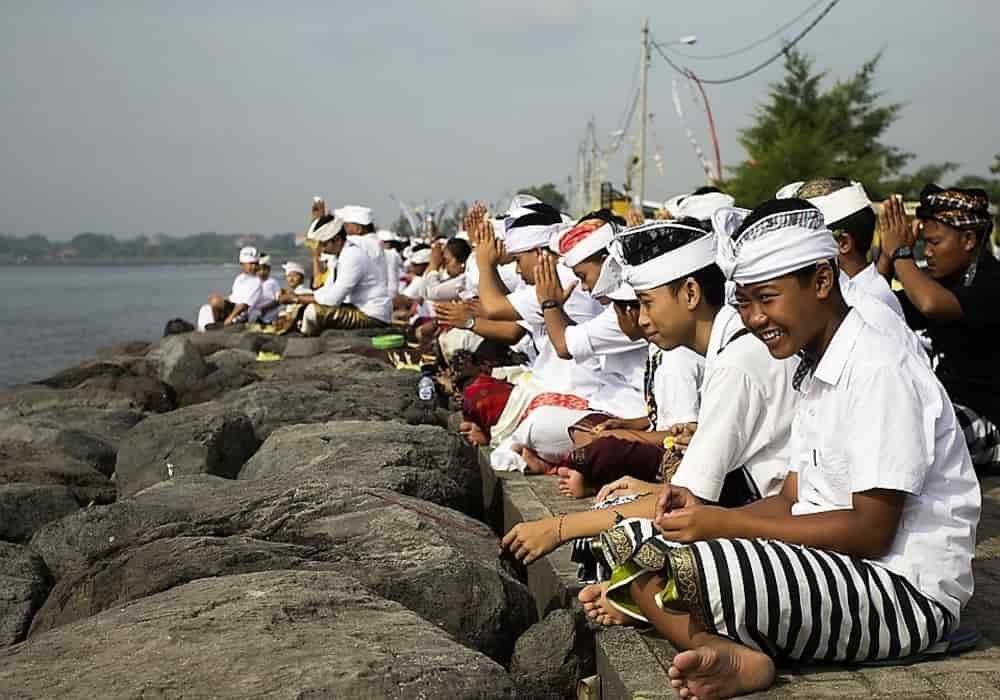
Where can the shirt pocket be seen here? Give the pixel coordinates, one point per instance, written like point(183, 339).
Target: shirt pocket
point(827, 479)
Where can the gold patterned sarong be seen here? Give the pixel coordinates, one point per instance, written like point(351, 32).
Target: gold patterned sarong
point(344, 317)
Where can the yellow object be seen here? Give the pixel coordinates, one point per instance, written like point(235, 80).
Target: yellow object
point(263, 356)
point(668, 442)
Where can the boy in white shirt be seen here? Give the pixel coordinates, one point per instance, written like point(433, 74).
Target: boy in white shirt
point(244, 299)
point(270, 288)
point(866, 554)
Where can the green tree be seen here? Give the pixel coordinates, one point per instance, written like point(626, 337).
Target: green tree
point(549, 194)
point(805, 131)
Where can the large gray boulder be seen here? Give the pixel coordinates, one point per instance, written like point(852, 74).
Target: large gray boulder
point(436, 561)
point(292, 634)
point(553, 656)
point(24, 508)
point(22, 462)
point(157, 566)
point(179, 362)
point(202, 439)
point(24, 583)
point(425, 462)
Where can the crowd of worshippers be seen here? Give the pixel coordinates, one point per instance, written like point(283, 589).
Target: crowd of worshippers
point(780, 424)
point(358, 277)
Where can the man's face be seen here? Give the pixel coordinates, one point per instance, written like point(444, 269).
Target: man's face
point(263, 271)
point(354, 229)
point(664, 317)
point(332, 246)
point(526, 263)
point(588, 271)
point(452, 265)
point(785, 313)
point(948, 251)
point(294, 279)
point(249, 268)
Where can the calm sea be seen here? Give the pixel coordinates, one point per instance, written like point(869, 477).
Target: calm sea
point(54, 317)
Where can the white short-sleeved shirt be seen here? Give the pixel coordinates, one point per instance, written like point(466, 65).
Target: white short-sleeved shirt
point(269, 289)
point(360, 281)
point(602, 338)
point(745, 418)
point(878, 314)
point(246, 290)
point(416, 288)
point(676, 386)
point(206, 317)
point(871, 282)
point(871, 417)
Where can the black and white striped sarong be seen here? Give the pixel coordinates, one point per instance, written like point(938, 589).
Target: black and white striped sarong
point(789, 601)
point(981, 436)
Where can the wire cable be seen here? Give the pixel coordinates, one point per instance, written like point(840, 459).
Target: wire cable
point(755, 44)
point(759, 67)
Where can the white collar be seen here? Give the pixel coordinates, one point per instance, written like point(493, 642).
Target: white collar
point(840, 350)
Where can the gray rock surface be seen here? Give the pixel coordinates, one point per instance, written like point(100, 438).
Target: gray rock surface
point(24, 583)
point(22, 462)
point(232, 358)
point(425, 462)
point(179, 362)
point(436, 561)
point(158, 566)
point(291, 634)
point(216, 383)
point(203, 439)
point(24, 508)
point(553, 656)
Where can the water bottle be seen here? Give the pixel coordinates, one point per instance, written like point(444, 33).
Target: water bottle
point(426, 391)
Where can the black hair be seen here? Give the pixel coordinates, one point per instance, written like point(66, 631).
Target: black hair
point(460, 249)
point(605, 215)
point(542, 215)
point(369, 228)
point(860, 226)
point(705, 189)
point(323, 220)
point(712, 283)
point(419, 246)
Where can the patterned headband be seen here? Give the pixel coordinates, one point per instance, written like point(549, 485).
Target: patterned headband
point(966, 209)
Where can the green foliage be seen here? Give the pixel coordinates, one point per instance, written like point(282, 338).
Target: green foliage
point(105, 247)
point(805, 132)
point(549, 194)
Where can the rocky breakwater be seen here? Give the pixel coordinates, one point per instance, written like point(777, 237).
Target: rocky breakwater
point(182, 520)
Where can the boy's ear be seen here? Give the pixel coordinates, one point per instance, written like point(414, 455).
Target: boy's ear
point(825, 279)
point(692, 293)
point(845, 244)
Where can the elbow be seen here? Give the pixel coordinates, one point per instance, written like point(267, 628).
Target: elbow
point(563, 353)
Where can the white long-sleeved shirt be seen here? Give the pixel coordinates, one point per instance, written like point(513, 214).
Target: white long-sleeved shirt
point(439, 287)
point(360, 281)
point(393, 270)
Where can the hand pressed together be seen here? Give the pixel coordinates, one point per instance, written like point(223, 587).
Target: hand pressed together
point(548, 286)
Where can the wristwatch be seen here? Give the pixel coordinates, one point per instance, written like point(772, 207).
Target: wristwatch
point(903, 252)
point(469, 323)
point(550, 304)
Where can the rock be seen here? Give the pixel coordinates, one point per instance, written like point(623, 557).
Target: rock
point(259, 342)
point(217, 383)
point(553, 656)
point(180, 364)
point(22, 462)
point(232, 358)
point(203, 439)
point(425, 462)
point(24, 508)
point(73, 376)
point(275, 634)
point(136, 348)
point(209, 342)
point(335, 367)
point(302, 347)
point(155, 567)
point(24, 583)
point(147, 393)
point(435, 561)
point(176, 326)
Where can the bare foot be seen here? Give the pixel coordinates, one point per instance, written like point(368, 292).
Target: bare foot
point(720, 668)
point(536, 465)
point(472, 433)
point(595, 603)
point(571, 483)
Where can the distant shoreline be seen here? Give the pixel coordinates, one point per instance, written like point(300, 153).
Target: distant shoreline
point(136, 262)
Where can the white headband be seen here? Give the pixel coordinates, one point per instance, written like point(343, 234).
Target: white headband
point(354, 214)
point(772, 247)
point(576, 244)
point(668, 267)
point(702, 206)
point(623, 293)
point(421, 257)
point(291, 266)
point(521, 239)
point(610, 279)
point(835, 206)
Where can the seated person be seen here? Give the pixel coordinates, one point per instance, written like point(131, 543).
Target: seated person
point(244, 300)
point(354, 298)
point(393, 246)
point(955, 300)
point(875, 525)
point(267, 311)
point(289, 314)
point(444, 279)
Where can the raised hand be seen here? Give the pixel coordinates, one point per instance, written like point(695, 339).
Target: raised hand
point(548, 286)
point(634, 217)
point(893, 229)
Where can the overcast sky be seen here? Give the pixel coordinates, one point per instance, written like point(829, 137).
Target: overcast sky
point(132, 117)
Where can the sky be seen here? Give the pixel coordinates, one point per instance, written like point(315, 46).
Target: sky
point(181, 117)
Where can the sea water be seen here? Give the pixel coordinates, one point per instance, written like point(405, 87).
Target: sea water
point(53, 317)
